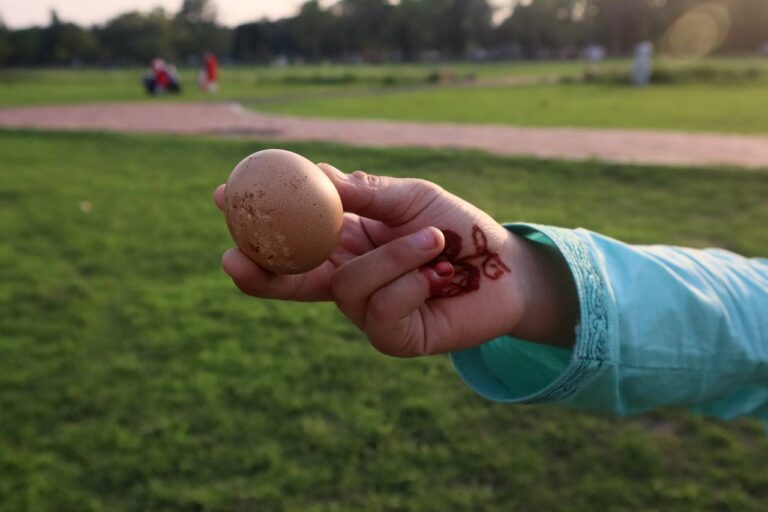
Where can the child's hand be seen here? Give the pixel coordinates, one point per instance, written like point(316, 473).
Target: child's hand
point(421, 271)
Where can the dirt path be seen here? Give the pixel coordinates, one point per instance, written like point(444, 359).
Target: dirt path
point(667, 148)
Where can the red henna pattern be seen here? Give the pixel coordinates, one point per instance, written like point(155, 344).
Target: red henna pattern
point(481, 243)
point(466, 276)
point(452, 245)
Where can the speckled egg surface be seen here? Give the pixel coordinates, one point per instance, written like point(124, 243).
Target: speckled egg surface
point(282, 211)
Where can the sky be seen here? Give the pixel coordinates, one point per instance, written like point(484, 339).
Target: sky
point(23, 13)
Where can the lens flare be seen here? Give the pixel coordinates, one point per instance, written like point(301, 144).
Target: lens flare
point(698, 32)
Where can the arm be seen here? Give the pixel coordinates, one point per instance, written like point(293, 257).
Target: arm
point(657, 326)
point(618, 328)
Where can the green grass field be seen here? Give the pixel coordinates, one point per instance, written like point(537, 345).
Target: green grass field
point(135, 377)
point(46, 86)
point(403, 92)
point(723, 101)
point(705, 108)
point(249, 83)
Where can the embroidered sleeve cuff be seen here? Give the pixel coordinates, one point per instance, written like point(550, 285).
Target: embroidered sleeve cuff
point(510, 370)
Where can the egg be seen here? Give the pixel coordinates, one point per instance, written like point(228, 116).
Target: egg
point(282, 211)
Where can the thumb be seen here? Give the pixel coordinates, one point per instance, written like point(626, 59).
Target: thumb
point(391, 200)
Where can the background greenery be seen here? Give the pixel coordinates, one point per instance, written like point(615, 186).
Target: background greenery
point(689, 107)
point(384, 31)
point(714, 95)
point(262, 83)
point(134, 376)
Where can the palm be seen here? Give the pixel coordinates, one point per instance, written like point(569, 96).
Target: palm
point(354, 241)
point(482, 299)
point(455, 316)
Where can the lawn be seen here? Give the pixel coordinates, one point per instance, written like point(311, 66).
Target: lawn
point(135, 377)
point(248, 83)
point(406, 92)
point(45, 86)
point(739, 108)
point(709, 95)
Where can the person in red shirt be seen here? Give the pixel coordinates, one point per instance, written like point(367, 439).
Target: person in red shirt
point(210, 73)
point(161, 78)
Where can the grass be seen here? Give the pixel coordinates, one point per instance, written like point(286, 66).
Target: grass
point(709, 95)
point(45, 86)
point(403, 92)
point(690, 107)
point(248, 83)
point(134, 376)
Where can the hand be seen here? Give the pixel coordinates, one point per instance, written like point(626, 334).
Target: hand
point(422, 271)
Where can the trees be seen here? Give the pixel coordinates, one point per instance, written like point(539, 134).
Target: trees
point(66, 43)
point(59, 43)
point(385, 29)
point(262, 41)
point(467, 23)
point(749, 25)
point(362, 25)
point(621, 24)
point(314, 31)
point(415, 27)
point(194, 31)
point(197, 11)
point(5, 44)
point(137, 38)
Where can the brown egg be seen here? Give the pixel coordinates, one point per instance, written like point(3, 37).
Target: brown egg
point(282, 211)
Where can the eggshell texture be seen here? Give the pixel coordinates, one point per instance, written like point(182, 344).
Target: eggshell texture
point(282, 211)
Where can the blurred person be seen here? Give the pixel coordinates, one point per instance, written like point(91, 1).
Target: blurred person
point(208, 76)
point(161, 78)
point(174, 82)
point(538, 314)
point(642, 68)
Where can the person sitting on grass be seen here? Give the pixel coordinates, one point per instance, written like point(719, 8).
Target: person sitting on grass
point(532, 313)
point(162, 78)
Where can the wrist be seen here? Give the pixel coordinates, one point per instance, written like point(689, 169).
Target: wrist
point(549, 300)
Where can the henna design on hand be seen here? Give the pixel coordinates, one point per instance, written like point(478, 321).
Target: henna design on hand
point(467, 271)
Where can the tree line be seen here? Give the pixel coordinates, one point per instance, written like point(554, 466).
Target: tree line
point(381, 30)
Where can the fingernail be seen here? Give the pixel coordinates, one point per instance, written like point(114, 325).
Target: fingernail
point(228, 256)
point(424, 239)
point(443, 268)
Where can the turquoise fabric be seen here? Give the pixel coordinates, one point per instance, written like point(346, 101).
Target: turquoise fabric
point(658, 326)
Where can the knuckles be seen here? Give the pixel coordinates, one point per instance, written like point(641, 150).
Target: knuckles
point(369, 180)
point(423, 194)
point(426, 187)
point(420, 187)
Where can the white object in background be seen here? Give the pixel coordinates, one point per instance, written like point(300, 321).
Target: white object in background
point(641, 71)
point(593, 53)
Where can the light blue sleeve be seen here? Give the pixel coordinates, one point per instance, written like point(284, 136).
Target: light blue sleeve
point(658, 326)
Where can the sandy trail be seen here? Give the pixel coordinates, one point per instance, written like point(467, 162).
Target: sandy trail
point(625, 146)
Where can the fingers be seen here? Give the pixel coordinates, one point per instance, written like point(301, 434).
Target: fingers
point(354, 282)
point(390, 200)
point(398, 324)
point(254, 280)
point(218, 196)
